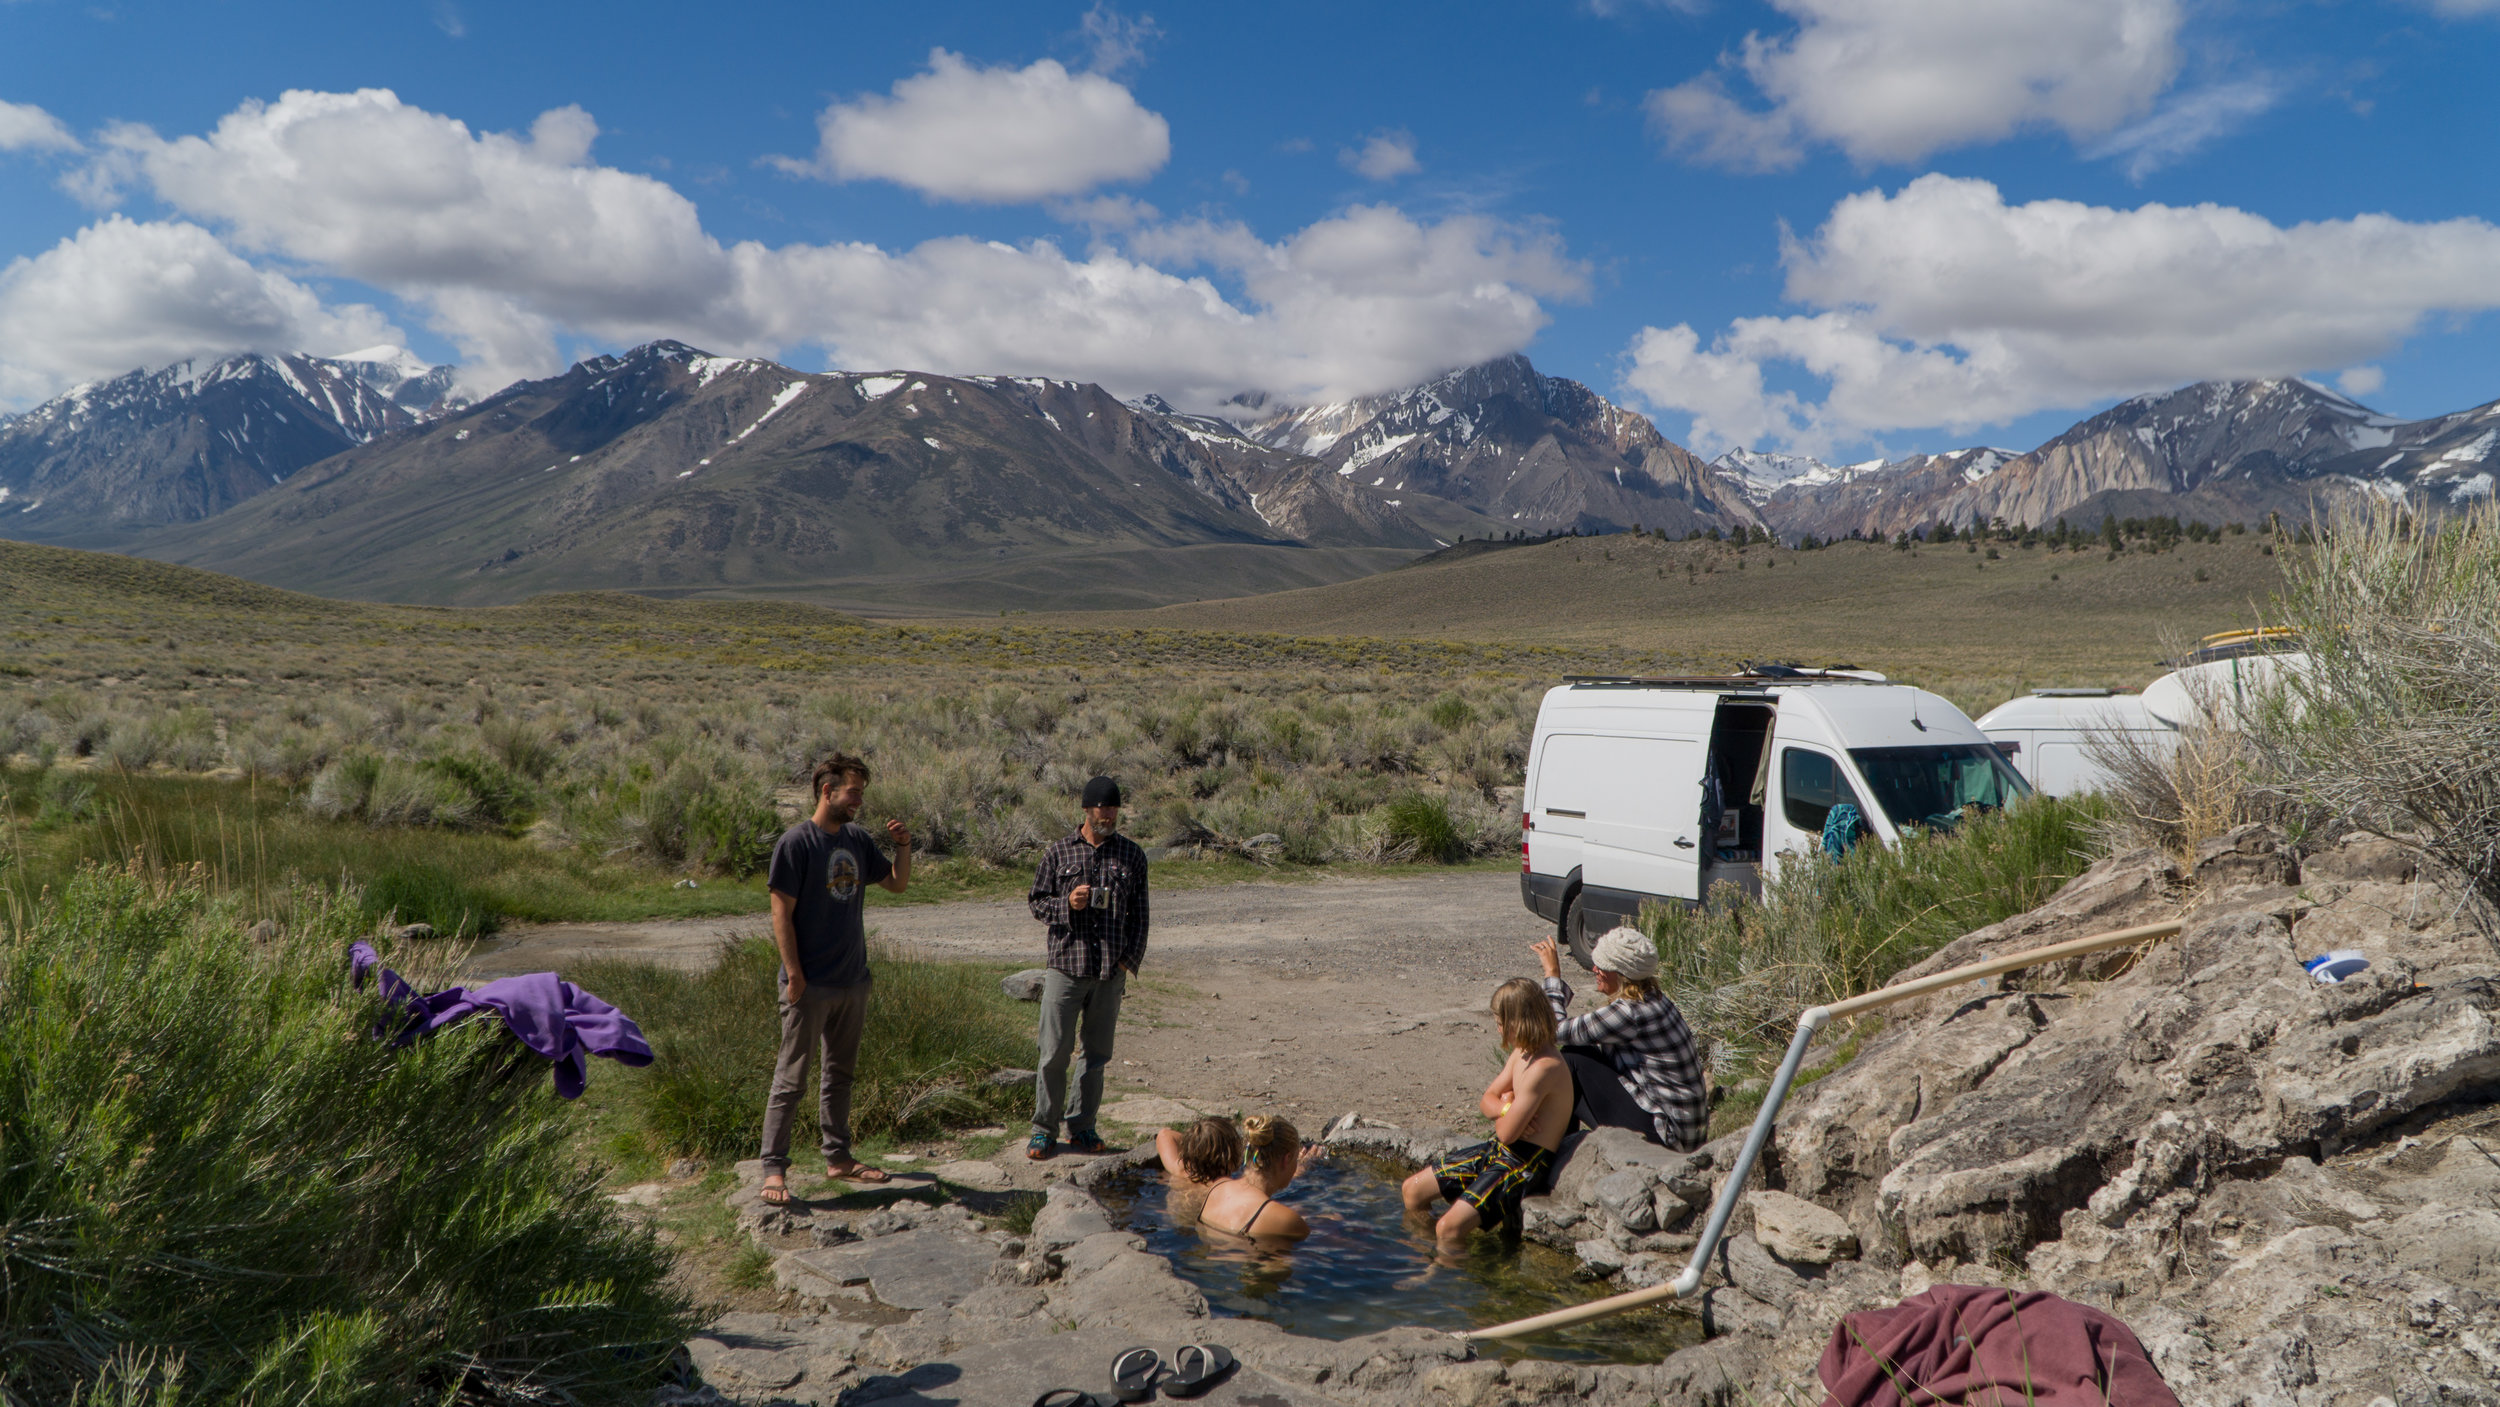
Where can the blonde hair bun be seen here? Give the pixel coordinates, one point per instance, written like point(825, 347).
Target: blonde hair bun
point(1265, 1133)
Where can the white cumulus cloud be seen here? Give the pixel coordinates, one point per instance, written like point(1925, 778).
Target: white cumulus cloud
point(1361, 302)
point(121, 295)
point(995, 136)
point(510, 244)
point(1894, 80)
point(1943, 306)
point(26, 127)
point(1384, 156)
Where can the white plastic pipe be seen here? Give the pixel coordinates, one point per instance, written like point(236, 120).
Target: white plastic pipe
point(1814, 1019)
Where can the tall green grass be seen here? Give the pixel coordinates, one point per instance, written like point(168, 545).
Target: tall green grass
point(258, 841)
point(935, 1032)
point(1742, 969)
point(216, 1186)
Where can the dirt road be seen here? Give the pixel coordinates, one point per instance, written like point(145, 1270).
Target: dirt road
point(1309, 999)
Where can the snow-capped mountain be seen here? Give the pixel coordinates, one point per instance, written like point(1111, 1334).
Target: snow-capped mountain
point(182, 442)
point(421, 390)
point(2217, 450)
point(669, 468)
point(1760, 473)
point(1530, 452)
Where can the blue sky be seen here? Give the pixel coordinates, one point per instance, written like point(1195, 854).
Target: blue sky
point(1841, 226)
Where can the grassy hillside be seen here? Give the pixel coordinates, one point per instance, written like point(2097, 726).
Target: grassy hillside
point(1974, 628)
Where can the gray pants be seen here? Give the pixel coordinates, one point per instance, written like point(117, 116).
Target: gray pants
point(1074, 1006)
point(825, 1024)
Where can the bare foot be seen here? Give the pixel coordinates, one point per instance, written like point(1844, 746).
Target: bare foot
point(856, 1171)
point(776, 1191)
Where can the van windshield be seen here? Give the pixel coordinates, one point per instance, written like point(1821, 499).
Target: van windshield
point(1929, 786)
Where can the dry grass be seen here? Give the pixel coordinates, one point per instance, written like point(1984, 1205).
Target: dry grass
point(1976, 630)
point(612, 730)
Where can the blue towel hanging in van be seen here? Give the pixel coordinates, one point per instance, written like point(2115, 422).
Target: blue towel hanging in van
point(1841, 829)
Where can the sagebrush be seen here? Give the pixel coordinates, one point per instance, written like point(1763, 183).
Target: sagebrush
point(217, 1186)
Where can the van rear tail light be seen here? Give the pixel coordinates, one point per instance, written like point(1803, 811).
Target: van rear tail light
point(1527, 823)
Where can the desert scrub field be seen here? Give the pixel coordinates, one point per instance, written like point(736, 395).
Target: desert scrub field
point(220, 1187)
point(606, 731)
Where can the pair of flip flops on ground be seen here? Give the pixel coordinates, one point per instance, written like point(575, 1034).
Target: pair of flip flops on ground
point(1137, 1372)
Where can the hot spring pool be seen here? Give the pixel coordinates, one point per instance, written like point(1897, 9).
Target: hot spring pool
point(1345, 1280)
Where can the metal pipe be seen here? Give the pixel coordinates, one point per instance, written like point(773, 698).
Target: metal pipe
point(1813, 1020)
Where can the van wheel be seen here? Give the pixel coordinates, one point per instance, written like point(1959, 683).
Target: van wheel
point(1573, 933)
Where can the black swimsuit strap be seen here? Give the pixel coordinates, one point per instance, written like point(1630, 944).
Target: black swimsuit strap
point(1254, 1217)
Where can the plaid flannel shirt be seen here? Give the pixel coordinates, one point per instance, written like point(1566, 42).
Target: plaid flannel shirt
point(1110, 931)
point(1651, 1047)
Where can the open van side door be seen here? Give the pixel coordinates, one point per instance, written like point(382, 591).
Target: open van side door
point(1642, 837)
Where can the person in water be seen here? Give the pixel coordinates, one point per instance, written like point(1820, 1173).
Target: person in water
point(1247, 1205)
point(1530, 1106)
point(1632, 1060)
point(1195, 1160)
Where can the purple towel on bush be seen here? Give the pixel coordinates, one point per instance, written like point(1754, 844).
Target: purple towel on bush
point(555, 1019)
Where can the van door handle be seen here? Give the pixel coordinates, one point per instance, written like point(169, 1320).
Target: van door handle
point(1682, 844)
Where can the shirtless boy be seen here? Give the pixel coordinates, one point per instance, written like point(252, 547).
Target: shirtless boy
point(1530, 1106)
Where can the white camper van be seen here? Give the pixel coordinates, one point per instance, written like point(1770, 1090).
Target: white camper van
point(1656, 789)
point(2048, 733)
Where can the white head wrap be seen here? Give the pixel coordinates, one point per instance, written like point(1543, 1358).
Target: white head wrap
point(1627, 952)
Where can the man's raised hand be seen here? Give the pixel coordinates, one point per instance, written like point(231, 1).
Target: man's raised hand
point(899, 834)
point(1080, 896)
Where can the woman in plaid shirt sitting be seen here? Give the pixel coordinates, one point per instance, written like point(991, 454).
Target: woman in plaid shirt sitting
point(1632, 1060)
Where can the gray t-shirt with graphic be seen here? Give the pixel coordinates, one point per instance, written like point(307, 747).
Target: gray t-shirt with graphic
point(828, 872)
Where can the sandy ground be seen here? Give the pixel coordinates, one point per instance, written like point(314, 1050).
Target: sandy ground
point(1310, 999)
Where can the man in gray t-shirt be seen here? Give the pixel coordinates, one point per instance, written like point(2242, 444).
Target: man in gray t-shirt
point(821, 869)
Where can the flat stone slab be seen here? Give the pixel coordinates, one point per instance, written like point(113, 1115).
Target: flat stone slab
point(1013, 1374)
point(923, 1269)
point(1145, 1111)
point(989, 1177)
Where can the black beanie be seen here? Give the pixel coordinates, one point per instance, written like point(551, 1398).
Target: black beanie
point(1102, 791)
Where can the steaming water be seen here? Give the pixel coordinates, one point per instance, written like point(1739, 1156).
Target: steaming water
point(1359, 1271)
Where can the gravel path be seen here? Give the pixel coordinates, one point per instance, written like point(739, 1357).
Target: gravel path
point(1309, 999)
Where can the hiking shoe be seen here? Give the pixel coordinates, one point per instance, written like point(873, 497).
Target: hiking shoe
point(1087, 1142)
point(1040, 1146)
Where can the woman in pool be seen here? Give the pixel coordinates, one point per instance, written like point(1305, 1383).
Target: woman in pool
point(1195, 1160)
point(1632, 1060)
point(1247, 1205)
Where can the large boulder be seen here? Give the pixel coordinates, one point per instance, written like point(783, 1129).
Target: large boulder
point(2287, 1188)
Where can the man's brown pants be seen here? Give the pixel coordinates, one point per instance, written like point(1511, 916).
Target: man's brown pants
point(826, 1024)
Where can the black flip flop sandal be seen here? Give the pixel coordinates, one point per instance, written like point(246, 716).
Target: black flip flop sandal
point(1197, 1367)
point(1067, 1397)
point(1133, 1374)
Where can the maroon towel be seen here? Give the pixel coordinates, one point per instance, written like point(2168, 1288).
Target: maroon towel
point(1979, 1345)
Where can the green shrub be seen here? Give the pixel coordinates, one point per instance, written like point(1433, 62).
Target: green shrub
point(413, 891)
point(1420, 827)
point(66, 799)
point(2393, 723)
point(935, 1032)
point(1743, 969)
point(208, 1167)
point(501, 798)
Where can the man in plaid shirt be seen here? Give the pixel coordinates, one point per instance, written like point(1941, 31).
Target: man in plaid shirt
point(1091, 890)
point(1633, 1062)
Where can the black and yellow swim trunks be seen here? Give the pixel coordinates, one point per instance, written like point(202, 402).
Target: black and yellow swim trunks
point(1494, 1177)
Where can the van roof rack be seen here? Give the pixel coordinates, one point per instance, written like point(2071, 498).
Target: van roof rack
point(1756, 677)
